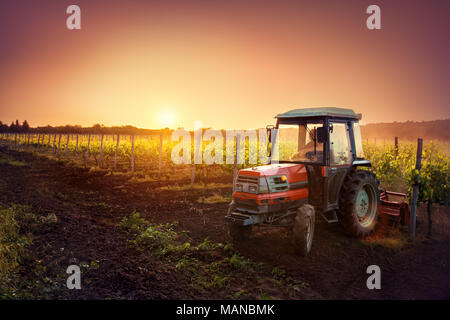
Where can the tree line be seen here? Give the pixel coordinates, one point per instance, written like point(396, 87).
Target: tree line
point(24, 127)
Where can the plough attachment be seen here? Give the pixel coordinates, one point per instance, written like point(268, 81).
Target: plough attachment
point(396, 210)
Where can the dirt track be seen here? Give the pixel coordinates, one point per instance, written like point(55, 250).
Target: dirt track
point(89, 207)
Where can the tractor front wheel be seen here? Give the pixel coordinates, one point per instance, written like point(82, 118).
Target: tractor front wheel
point(358, 203)
point(303, 229)
point(237, 232)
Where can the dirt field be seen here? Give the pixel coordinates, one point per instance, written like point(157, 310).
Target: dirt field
point(90, 204)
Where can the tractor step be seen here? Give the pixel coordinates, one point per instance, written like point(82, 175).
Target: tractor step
point(330, 216)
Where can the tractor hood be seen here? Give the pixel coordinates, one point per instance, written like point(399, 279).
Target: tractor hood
point(293, 172)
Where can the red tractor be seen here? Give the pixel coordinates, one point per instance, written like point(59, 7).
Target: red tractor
point(319, 170)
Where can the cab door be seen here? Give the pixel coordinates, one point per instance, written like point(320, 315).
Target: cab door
point(340, 161)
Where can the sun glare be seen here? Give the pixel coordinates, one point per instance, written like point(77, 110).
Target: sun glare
point(166, 118)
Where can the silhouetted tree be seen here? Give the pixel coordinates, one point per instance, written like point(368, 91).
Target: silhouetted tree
point(3, 127)
point(13, 127)
point(25, 126)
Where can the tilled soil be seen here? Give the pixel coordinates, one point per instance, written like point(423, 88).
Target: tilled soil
point(90, 204)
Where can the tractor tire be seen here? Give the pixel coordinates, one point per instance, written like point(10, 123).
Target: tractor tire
point(358, 203)
point(303, 230)
point(237, 232)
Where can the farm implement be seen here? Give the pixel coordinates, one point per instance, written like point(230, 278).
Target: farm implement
point(321, 170)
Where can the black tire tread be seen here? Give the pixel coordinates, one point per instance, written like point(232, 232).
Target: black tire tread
point(299, 228)
point(347, 214)
point(237, 232)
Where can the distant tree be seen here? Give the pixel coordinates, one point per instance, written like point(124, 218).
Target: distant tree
point(13, 127)
point(3, 127)
point(25, 126)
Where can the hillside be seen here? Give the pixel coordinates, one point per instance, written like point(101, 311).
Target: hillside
point(409, 130)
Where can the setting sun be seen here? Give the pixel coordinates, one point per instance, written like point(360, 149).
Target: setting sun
point(166, 118)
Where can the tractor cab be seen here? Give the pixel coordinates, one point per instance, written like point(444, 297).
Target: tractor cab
point(327, 141)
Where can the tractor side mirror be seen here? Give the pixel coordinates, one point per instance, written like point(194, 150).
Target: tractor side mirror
point(321, 134)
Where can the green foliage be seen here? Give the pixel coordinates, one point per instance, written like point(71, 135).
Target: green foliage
point(238, 262)
point(278, 273)
point(215, 198)
point(209, 265)
point(134, 222)
point(16, 224)
point(395, 168)
point(434, 176)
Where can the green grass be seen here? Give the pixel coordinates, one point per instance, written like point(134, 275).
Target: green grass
point(196, 186)
point(8, 160)
point(16, 223)
point(208, 266)
point(396, 241)
point(215, 198)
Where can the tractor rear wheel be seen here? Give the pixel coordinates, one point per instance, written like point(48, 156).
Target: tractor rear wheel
point(237, 232)
point(303, 229)
point(358, 203)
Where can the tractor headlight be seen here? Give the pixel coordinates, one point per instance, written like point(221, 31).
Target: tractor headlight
point(238, 187)
point(253, 189)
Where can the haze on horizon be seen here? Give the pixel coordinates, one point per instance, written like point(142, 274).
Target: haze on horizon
point(233, 64)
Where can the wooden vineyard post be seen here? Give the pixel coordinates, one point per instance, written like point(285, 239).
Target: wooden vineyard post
point(54, 143)
point(15, 138)
point(132, 153)
point(236, 159)
point(415, 192)
point(396, 146)
point(117, 149)
point(193, 175)
point(67, 147)
point(59, 145)
point(197, 133)
point(101, 152)
point(49, 140)
point(160, 156)
point(28, 141)
point(88, 146)
point(76, 146)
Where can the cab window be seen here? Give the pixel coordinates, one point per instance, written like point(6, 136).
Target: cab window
point(340, 148)
point(358, 141)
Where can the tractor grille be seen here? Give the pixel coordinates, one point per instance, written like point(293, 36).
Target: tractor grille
point(247, 179)
point(249, 204)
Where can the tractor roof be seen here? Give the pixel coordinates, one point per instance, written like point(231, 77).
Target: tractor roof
point(320, 112)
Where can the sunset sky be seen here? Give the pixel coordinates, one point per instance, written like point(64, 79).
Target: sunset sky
point(231, 64)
